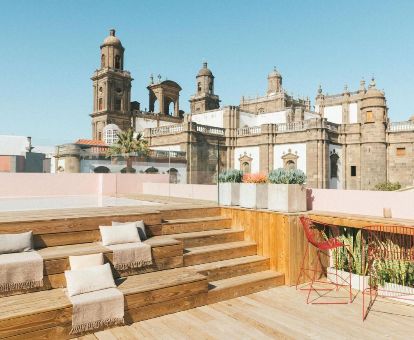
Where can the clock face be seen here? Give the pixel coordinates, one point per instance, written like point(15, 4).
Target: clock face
point(118, 90)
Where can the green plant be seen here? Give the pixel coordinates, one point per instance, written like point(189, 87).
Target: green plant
point(287, 176)
point(255, 178)
point(352, 238)
point(128, 143)
point(388, 186)
point(394, 271)
point(230, 176)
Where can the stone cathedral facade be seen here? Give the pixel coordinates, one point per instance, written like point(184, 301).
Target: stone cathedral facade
point(344, 141)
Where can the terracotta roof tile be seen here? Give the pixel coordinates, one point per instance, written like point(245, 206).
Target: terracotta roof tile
point(90, 142)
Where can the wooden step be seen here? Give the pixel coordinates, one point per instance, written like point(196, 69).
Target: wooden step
point(194, 212)
point(218, 252)
point(48, 314)
point(167, 253)
point(234, 267)
point(243, 285)
point(209, 237)
point(190, 225)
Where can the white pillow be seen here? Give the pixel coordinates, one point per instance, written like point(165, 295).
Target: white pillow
point(139, 225)
point(89, 279)
point(84, 261)
point(16, 243)
point(125, 233)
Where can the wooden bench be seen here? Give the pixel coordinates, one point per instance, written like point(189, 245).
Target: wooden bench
point(48, 314)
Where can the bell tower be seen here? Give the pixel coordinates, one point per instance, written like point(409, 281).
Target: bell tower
point(204, 99)
point(111, 89)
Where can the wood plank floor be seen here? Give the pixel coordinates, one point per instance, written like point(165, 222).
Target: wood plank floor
point(278, 313)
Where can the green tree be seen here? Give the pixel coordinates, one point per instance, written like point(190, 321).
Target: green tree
point(127, 146)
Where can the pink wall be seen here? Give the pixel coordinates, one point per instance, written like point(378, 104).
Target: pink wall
point(196, 191)
point(65, 184)
point(362, 202)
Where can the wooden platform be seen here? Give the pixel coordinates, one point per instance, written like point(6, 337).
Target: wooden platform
point(277, 313)
point(198, 259)
point(49, 313)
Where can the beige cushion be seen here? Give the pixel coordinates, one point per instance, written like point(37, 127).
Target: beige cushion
point(139, 225)
point(84, 261)
point(125, 233)
point(89, 279)
point(16, 243)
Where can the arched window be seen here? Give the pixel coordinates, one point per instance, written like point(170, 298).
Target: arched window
point(199, 87)
point(101, 170)
point(246, 168)
point(102, 60)
point(100, 104)
point(117, 62)
point(290, 165)
point(210, 87)
point(118, 104)
point(334, 164)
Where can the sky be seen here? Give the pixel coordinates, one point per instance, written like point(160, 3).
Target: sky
point(51, 48)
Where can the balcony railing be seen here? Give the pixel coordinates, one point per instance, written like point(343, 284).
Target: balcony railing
point(401, 126)
point(248, 131)
point(293, 126)
point(166, 130)
point(210, 130)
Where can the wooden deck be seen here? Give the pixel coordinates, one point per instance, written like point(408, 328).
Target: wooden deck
point(277, 313)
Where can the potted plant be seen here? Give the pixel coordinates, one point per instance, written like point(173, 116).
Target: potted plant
point(253, 191)
point(229, 187)
point(286, 191)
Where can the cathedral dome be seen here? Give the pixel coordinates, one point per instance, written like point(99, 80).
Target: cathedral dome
point(112, 40)
point(372, 91)
point(274, 73)
point(204, 71)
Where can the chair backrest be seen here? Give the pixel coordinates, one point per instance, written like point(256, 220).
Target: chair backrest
point(307, 228)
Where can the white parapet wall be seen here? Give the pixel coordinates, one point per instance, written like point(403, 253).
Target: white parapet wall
point(194, 191)
point(362, 202)
point(68, 184)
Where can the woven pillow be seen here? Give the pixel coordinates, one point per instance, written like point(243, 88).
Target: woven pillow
point(16, 243)
point(139, 225)
point(84, 261)
point(89, 279)
point(126, 233)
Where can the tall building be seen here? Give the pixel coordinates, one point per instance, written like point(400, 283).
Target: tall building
point(346, 141)
point(111, 88)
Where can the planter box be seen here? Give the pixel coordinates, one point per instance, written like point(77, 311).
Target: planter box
point(358, 282)
point(286, 197)
point(253, 195)
point(229, 193)
point(405, 294)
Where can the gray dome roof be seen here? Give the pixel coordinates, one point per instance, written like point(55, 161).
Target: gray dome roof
point(274, 73)
point(205, 71)
point(112, 40)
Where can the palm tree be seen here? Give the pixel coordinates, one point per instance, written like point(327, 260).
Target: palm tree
point(126, 145)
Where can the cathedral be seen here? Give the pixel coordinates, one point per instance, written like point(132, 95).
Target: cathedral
point(344, 141)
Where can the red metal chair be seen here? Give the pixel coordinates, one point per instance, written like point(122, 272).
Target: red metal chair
point(319, 239)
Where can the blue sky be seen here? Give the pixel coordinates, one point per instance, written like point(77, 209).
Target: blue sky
point(51, 48)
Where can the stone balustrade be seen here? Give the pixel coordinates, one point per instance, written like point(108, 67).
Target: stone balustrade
point(248, 131)
point(401, 126)
point(166, 130)
point(211, 130)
